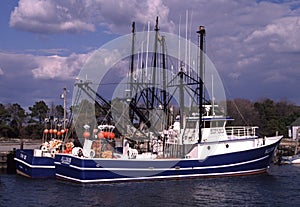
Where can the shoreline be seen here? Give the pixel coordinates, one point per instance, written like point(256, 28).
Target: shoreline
point(7, 145)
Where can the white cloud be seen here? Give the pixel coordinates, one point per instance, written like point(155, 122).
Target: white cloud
point(234, 75)
point(1, 71)
point(247, 61)
point(276, 77)
point(50, 51)
point(282, 34)
point(49, 67)
point(42, 67)
point(245, 39)
point(76, 16)
point(150, 10)
point(51, 16)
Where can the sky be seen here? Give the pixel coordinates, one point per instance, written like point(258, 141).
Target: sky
point(255, 45)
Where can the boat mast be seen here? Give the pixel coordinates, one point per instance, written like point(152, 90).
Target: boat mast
point(132, 58)
point(154, 64)
point(65, 106)
point(131, 114)
point(201, 35)
point(64, 95)
point(164, 92)
point(181, 98)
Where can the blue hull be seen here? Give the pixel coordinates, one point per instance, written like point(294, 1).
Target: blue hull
point(34, 167)
point(86, 170)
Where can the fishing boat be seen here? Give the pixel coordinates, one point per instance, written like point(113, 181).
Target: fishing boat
point(295, 159)
point(39, 163)
point(144, 136)
point(35, 163)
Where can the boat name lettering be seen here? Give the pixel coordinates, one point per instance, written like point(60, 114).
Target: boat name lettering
point(269, 150)
point(216, 131)
point(66, 160)
point(23, 156)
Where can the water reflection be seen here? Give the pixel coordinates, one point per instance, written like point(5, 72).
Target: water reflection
point(280, 188)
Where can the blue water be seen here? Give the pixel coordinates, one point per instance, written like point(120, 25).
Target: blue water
point(280, 187)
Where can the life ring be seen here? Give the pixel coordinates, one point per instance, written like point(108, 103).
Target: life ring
point(75, 150)
point(92, 153)
point(52, 151)
point(89, 153)
point(44, 148)
point(132, 153)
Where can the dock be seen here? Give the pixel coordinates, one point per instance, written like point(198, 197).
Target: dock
point(288, 147)
point(3, 160)
point(8, 148)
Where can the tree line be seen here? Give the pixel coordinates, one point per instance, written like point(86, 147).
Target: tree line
point(15, 122)
point(269, 115)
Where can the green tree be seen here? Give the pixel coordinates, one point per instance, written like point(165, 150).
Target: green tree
point(243, 112)
point(39, 111)
point(82, 115)
point(7, 131)
point(59, 111)
point(287, 113)
point(4, 115)
point(275, 116)
point(267, 116)
point(17, 117)
point(33, 131)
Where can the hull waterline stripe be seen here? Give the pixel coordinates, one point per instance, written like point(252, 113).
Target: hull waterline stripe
point(22, 173)
point(163, 169)
point(34, 166)
point(162, 177)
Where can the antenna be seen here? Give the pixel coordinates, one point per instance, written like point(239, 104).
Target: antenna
point(201, 35)
point(178, 66)
point(186, 38)
point(147, 47)
point(212, 94)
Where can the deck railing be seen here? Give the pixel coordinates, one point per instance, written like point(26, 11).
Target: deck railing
point(241, 131)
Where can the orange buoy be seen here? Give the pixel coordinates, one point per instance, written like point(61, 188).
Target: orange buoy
point(54, 131)
point(51, 131)
point(86, 134)
point(105, 134)
point(62, 131)
point(46, 131)
point(58, 133)
point(111, 135)
point(100, 135)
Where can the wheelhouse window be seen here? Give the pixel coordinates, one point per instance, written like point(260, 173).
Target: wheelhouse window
point(206, 124)
point(213, 123)
point(191, 124)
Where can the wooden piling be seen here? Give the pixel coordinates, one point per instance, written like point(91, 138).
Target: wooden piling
point(288, 147)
